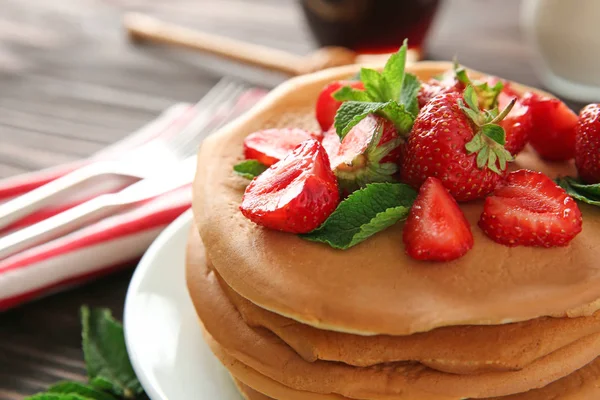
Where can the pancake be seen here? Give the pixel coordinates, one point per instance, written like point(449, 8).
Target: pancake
point(583, 384)
point(461, 349)
point(263, 351)
point(248, 393)
point(374, 287)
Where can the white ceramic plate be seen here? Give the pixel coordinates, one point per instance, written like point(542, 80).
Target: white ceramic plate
point(163, 336)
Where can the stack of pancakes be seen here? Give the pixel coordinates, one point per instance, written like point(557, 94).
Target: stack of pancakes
point(295, 320)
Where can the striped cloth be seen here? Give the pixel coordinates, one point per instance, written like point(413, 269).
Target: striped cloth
point(102, 247)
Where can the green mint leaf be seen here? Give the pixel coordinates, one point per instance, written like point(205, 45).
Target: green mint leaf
point(494, 132)
point(58, 396)
point(590, 190)
point(81, 389)
point(105, 354)
point(375, 85)
point(249, 169)
point(589, 194)
point(393, 72)
point(409, 93)
point(352, 112)
point(402, 119)
point(348, 93)
point(364, 213)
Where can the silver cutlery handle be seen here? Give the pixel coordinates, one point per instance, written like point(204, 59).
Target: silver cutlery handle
point(58, 225)
point(30, 202)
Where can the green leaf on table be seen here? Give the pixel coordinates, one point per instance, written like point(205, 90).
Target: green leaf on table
point(58, 396)
point(81, 389)
point(106, 355)
point(363, 214)
point(352, 112)
point(249, 169)
point(589, 194)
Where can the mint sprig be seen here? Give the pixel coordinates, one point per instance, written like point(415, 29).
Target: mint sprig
point(391, 93)
point(110, 373)
point(80, 389)
point(363, 214)
point(106, 355)
point(249, 169)
point(352, 112)
point(589, 194)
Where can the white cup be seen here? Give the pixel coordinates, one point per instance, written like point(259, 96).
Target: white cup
point(565, 38)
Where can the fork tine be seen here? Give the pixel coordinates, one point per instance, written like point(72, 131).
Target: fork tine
point(192, 134)
point(202, 107)
point(227, 111)
point(214, 125)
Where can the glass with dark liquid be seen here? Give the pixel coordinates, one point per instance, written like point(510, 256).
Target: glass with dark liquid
point(370, 26)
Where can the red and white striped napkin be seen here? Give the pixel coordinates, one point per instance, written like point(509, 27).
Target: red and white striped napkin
point(102, 247)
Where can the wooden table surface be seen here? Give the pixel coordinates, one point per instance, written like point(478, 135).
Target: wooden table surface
point(70, 84)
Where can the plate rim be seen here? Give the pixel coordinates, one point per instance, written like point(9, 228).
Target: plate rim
point(153, 392)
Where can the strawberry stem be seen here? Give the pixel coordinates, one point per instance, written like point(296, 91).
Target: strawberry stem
point(489, 138)
point(504, 112)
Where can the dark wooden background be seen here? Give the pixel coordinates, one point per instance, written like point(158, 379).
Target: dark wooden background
point(70, 84)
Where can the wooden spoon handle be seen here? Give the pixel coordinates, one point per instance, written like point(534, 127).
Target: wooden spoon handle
point(145, 28)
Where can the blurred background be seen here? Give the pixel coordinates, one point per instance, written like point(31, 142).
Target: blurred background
point(68, 72)
point(71, 83)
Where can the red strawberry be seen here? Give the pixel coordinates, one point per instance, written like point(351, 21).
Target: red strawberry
point(460, 146)
point(436, 228)
point(517, 123)
point(552, 133)
point(431, 89)
point(587, 144)
point(296, 195)
point(327, 106)
point(368, 153)
point(271, 145)
point(529, 209)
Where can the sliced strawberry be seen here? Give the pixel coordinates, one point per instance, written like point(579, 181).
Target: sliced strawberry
point(436, 228)
point(327, 106)
point(517, 123)
point(587, 146)
point(553, 127)
point(297, 194)
point(271, 145)
point(361, 158)
point(529, 209)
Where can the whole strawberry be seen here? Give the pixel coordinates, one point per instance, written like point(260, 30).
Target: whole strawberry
point(587, 144)
point(458, 144)
point(327, 106)
point(529, 209)
point(296, 194)
point(552, 133)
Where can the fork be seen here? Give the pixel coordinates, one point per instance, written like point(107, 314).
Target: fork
point(178, 173)
point(148, 159)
